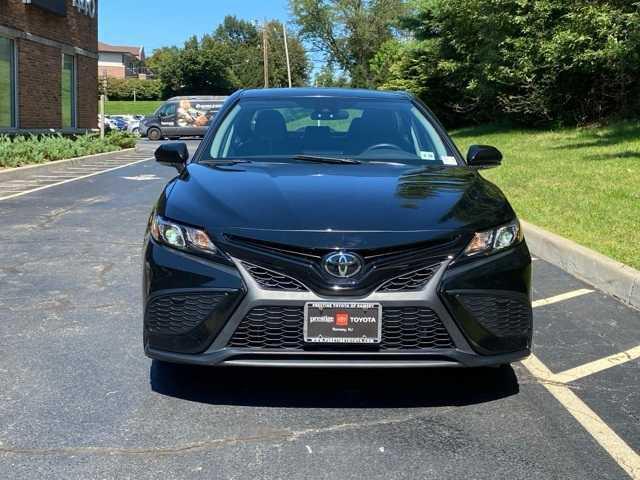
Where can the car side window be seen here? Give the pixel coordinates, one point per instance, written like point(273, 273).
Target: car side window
point(168, 110)
point(222, 142)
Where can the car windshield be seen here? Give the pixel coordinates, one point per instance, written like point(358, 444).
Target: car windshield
point(353, 128)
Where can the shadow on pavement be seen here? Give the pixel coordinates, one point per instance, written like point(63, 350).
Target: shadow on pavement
point(333, 388)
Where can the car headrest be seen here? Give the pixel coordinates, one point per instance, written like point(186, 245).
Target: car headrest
point(270, 124)
point(379, 119)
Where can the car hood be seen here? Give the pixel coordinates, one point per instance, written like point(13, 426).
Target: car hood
point(283, 202)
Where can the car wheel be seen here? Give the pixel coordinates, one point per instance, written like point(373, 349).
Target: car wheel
point(154, 134)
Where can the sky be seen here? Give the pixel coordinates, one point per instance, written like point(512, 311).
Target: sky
point(159, 23)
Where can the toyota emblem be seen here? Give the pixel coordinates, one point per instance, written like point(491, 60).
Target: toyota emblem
point(342, 264)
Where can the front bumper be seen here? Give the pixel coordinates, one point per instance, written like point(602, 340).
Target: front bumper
point(472, 301)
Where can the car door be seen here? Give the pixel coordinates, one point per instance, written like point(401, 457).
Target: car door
point(167, 118)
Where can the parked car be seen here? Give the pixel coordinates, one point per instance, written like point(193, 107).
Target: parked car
point(117, 122)
point(133, 123)
point(181, 117)
point(107, 124)
point(333, 228)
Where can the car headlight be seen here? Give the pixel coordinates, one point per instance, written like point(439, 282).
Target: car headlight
point(180, 236)
point(494, 240)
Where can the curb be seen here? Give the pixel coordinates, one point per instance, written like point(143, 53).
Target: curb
point(610, 276)
point(58, 162)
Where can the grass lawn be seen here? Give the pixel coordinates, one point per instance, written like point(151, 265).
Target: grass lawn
point(126, 107)
point(583, 184)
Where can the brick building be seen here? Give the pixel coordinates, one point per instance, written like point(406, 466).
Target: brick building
point(48, 65)
point(120, 61)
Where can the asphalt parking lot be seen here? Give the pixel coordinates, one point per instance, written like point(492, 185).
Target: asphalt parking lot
point(78, 399)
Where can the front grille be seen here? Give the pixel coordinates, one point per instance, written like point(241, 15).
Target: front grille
point(270, 280)
point(429, 248)
point(409, 328)
point(280, 328)
point(175, 314)
point(270, 327)
point(503, 317)
point(411, 281)
point(299, 268)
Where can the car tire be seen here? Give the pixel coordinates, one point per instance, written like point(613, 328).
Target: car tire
point(154, 134)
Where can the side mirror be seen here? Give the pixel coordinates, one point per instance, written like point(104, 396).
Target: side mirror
point(483, 156)
point(173, 155)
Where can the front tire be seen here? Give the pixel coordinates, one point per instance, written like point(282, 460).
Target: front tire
point(154, 134)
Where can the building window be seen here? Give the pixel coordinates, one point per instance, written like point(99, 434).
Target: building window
point(68, 91)
point(7, 84)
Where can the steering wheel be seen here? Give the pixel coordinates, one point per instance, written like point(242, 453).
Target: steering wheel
point(380, 146)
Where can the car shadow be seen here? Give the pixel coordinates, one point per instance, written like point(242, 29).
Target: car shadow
point(333, 388)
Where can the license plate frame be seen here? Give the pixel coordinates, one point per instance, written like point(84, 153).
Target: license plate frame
point(330, 328)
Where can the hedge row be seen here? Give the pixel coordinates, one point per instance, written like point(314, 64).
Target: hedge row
point(124, 89)
point(23, 150)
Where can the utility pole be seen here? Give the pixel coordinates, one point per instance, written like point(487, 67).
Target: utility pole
point(286, 51)
point(101, 111)
point(265, 54)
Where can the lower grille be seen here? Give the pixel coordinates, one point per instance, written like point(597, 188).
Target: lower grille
point(270, 327)
point(280, 328)
point(409, 328)
point(180, 313)
point(503, 317)
point(410, 281)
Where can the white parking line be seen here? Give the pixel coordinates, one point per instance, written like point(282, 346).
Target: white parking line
point(615, 446)
point(561, 297)
point(80, 169)
point(597, 365)
point(15, 195)
point(55, 177)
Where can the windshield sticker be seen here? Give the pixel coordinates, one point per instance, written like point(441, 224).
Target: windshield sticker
point(427, 155)
point(448, 160)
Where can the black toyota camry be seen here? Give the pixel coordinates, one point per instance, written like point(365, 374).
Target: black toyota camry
point(330, 227)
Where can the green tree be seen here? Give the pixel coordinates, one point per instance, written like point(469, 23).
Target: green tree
point(532, 61)
point(328, 77)
point(243, 39)
point(161, 57)
point(348, 32)
point(199, 69)
point(228, 59)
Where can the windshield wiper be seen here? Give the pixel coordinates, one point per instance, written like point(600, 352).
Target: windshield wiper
point(321, 159)
point(223, 161)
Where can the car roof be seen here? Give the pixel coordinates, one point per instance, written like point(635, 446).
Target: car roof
point(323, 92)
point(215, 98)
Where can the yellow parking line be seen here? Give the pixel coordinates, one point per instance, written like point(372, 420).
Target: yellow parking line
point(619, 450)
point(597, 365)
point(622, 453)
point(561, 297)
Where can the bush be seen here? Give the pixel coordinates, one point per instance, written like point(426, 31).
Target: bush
point(122, 139)
point(533, 62)
point(23, 150)
point(123, 89)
